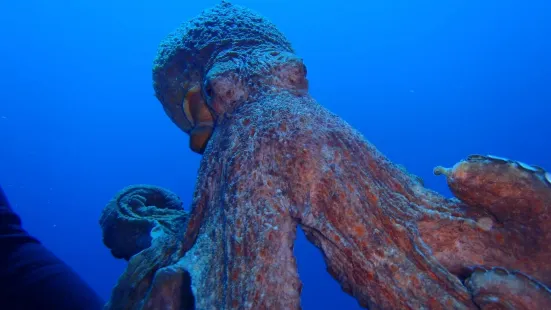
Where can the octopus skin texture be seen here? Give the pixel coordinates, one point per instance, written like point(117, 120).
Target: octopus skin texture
point(274, 159)
point(141, 224)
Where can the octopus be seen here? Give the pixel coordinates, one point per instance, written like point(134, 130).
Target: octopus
point(273, 159)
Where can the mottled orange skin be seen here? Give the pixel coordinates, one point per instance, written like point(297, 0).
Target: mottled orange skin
point(377, 226)
point(515, 232)
point(276, 159)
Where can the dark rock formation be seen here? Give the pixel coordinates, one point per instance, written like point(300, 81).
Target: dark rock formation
point(274, 159)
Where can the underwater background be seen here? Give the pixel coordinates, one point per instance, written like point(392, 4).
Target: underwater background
point(427, 82)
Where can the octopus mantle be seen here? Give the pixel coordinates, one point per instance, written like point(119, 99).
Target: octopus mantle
point(275, 159)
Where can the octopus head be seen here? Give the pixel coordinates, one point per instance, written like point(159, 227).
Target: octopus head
point(218, 61)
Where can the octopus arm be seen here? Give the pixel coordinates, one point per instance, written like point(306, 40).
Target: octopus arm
point(241, 254)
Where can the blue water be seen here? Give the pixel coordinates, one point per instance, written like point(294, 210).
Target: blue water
point(428, 82)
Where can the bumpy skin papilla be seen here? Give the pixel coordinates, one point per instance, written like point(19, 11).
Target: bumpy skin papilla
point(274, 159)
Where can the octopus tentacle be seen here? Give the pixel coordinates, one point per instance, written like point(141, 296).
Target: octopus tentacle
point(142, 224)
point(513, 192)
point(516, 233)
point(358, 208)
point(498, 288)
point(244, 247)
point(170, 289)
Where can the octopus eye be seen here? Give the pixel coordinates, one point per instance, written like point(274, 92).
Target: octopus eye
point(208, 88)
